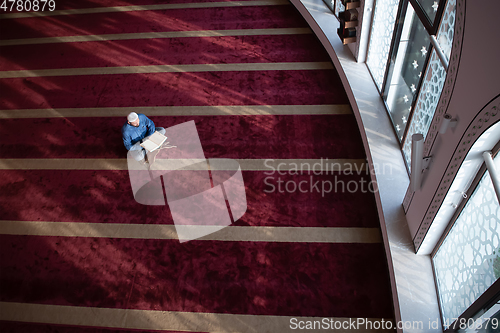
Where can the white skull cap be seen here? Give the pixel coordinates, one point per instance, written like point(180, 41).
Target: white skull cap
point(132, 116)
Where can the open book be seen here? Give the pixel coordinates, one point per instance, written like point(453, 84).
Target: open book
point(154, 141)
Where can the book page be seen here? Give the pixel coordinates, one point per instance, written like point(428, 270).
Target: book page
point(157, 138)
point(149, 145)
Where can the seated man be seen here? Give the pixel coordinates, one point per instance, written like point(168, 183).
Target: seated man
point(138, 127)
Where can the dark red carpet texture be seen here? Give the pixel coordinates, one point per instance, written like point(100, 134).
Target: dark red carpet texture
point(296, 87)
point(254, 278)
point(80, 4)
point(263, 137)
point(260, 278)
point(181, 51)
point(16, 327)
point(105, 196)
point(193, 19)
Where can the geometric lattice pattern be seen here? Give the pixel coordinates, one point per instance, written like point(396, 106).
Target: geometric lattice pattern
point(434, 81)
point(380, 40)
point(447, 28)
point(468, 261)
point(451, 75)
point(406, 71)
point(427, 101)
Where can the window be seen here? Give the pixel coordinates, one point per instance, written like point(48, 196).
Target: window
point(384, 19)
point(467, 262)
point(405, 69)
point(335, 6)
point(404, 63)
point(433, 82)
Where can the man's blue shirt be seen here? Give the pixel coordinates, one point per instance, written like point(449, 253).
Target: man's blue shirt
point(131, 134)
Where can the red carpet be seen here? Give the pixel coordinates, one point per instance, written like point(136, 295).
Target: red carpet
point(221, 136)
point(15, 327)
point(79, 4)
point(103, 196)
point(200, 88)
point(265, 17)
point(181, 51)
point(254, 278)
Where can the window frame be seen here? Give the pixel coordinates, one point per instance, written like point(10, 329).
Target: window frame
point(432, 28)
point(403, 6)
point(493, 292)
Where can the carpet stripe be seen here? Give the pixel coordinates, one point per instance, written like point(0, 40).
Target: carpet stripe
point(308, 87)
point(103, 196)
point(252, 278)
point(272, 136)
point(204, 110)
point(121, 164)
point(181, 51)
point(117, 3)
point(231, 233)
point(256, 17)
point(150, 35)
point(154, 320)
point(168, 69)
point(144, 7)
